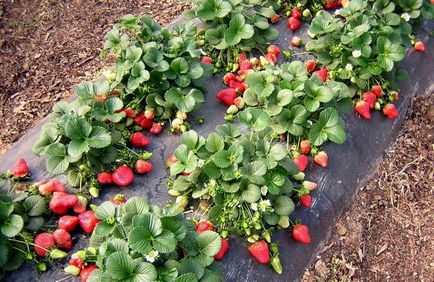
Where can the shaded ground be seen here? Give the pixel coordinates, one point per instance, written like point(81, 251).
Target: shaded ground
point(387, 234)
point(48, 46)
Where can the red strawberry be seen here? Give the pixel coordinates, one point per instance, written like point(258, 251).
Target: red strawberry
point(86, 272)
point(300, 233)
point(105, 178)
point(185, 173)
point(20, 168)
point(310, 65)
point(149, 114)
point(203, 226)
point(141, 120)
point(244, 73)
point(88, 221)
point(130, 113)
point(138, 139)
point(243, 57)
point(118, 199)
point(81, 205)
point(296, 41)
point(293, 23)
point(390, 111)
point(271, 58)
point(156, 128)
point(143, 166)
point(419, 46)
point(223, 249)
point(43, 242)
point(228, 77)
point(301, 162)
point(58, 187)
point(377, 90)
point(322, 73)
point(61, 202)
point(321, 159)
point(68, 222)
point(275, 19)
point(273, 49)
point(371, 98)
point(206, 60)
point(296, 13)
point(238, 87)
point(123, 176)
point(63, 239)
point(227, 96)
point(259, 250)
point(246, 65)
point(305, 200)
point(171, 160)
point(305, 147)
point(362, 107)
point(45, 187)
point(78, 262)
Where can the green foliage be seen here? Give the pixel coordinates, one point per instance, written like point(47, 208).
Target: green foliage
point(139, 242)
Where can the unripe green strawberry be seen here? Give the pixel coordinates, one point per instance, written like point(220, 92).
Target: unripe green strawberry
point(57, 254)
point(283, 221)
point(275, 263)
point(232, 110)
point(94, 192)
point(306, 13)
point(173, 192)
point(299, 176)
point(182, 201)
point(72, 269)
point(377, 106)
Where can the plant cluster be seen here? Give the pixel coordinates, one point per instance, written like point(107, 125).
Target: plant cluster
point(231, 27)
point(136, 241)
point(157, 69)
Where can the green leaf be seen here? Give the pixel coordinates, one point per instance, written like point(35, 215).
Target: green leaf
point(214, 143)
point(77, 128)
point(149, 221)
point(238, 30)
point(187, 277)
point(222, 159)
point(105, 210)
point(34, 205)
point(12, 226)
point(255, 118)
point(210, 9)
point(190, 139)
point(165, 242)
point(99, 137)
point(252, 193)
point(181, 183)
point(209, 243)
point(145, 272)
point(35, 223)
point(136, 205)
point(191, 265)
point(283, 206)
point(56, 158)
point(284, 97)
point(139, 240)
point(120, 266)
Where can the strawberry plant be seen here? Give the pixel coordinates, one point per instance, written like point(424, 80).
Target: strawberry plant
point(157, 69)
point(232, 27)
point(241, 180)
point(136, 241)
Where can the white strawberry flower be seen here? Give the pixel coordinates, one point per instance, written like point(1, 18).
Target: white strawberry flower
point(254, 206)
point(357, 53)
point(406, 17)
point(338, 12)
point(349, 67)
point(151, 256)
point(264, 190)
point(264, 205)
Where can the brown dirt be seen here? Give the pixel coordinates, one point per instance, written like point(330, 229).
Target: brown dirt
point(48, 46)
point(387, 234)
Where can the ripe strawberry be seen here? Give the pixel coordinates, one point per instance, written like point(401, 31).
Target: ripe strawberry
point(305, 147)
point(203, 226)
point(322, 73)
point(362, 107)
point(244, 73)
point(259, 250)
point(43, 242)
point(100, 98)
point(293, 23)
point(305, 200)
point(309, 185)
point(58, 187)
point(377, 90)
point(246, 65)
point(118, 199)
point(105, 178)
point(239, 102)
point(86, 272)
point(227, 96)
point(419, 46)
point(295, 13)
point(141, 120)
point(88, 221)
point(68, 222)
point(130, 113)
point(275, 19)
point(321, 159)
point(223, 249)
point(228, 78)
point(61, 202)
point(300, 233)
point(81, 205)
point(156, 128)
point(20, 168)
point(242, 57)
point(237, 86)
point(143, 166)
point(149, 114)
point(390, 111)
point(63, 239)
point(296, 41)
point(206, 60)
point(123, 176)
point(271, 58)
point(273, 49)
point(45, 187)
point(310, 65)
point(184, 173)
point(138, 139)
point(370, 98)
point(78, 262)
point(301, 162)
